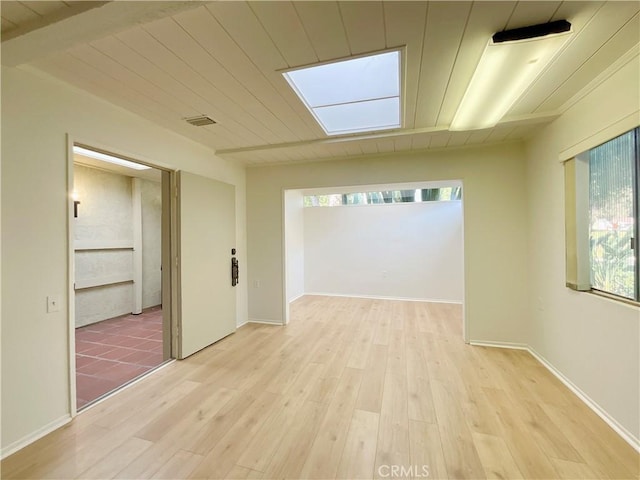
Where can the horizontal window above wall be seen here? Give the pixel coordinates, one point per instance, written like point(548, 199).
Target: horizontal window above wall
point(384, 197)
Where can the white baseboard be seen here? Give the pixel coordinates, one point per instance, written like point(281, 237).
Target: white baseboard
point(38, 434)
point(379, 297)
point(588, 401)
point(264, 321)
point(592, 404)
point(32, 437)
point(510, 345)
point(296, 298)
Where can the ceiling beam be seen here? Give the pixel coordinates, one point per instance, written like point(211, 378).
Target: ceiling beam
point(85, 24)
point(340, 139)
point(531, 119)
point(56, 16)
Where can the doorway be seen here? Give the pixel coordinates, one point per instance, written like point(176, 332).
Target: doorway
point(400, 241)
point(121, 235)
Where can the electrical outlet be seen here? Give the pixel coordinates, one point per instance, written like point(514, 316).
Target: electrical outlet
point(53, 303)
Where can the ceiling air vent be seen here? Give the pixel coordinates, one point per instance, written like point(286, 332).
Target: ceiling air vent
point(200, 121)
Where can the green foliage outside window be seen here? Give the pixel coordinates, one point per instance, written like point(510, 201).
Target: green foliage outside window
point(385, 196)
point(613, 215)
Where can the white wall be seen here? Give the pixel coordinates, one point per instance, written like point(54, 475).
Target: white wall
point(495, 250)
point(592, 341)
point(37, 114)
point(404, 250)
point(294, 244)
point(151, 195)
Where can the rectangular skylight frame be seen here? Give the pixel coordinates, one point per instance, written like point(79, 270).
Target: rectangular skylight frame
point(384, 126)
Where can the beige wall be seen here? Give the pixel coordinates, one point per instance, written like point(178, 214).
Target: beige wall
point(592, 341)
point(494, 227)
point(37, 114)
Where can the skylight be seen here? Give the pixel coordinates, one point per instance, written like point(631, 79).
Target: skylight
point(350, 96)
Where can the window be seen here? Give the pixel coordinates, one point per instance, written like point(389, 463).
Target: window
point(385, 197)
point(613, 216)
point(602, 203)
point(355, 95)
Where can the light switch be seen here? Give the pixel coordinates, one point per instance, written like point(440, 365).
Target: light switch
point(53, 303)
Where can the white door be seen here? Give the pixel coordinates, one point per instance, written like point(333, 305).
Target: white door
point(206, 235)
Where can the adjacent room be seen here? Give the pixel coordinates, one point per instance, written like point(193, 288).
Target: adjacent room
point(378, 239)
point(393, 241)
point(117, 232)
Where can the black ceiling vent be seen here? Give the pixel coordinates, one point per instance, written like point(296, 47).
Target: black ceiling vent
point(534, 31)
point(200, 121)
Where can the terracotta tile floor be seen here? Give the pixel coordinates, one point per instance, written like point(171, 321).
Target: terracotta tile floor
point(113, 352)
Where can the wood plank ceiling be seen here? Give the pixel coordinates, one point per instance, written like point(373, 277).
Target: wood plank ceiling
point(19, 18)
point(223, 59)
point(16, 14)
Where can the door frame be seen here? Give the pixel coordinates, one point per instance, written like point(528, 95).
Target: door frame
point(169, 252)
point(285, 301)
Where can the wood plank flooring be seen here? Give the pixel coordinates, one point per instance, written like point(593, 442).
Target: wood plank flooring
point(351, 388)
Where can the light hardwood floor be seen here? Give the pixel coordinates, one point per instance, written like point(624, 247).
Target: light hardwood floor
point(351, 388)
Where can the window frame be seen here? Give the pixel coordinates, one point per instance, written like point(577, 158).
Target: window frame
point(636, 214)
point(577, 222)
point(394, 192)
